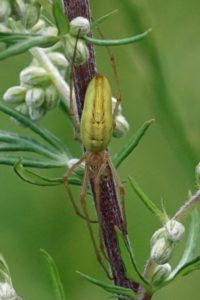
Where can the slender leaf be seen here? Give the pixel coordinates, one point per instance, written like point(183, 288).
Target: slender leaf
point(132, 144)
point(147, 202)
point(62, 22)
point(21, 47)
point(189, 267)
point(44, 133)
point(57, 284)
point(127, 256)
point(121, 291)
point(191, 244)
point(103, 18)
point(13, 37)
point(116, 42)
point(36, 179)
point(33, 163)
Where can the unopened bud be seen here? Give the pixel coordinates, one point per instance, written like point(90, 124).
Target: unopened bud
point(121, 126)
point(23, 109)
point(58, 59)
point(174, 230)
point(34, 75)
point(5, 10)
point(49, 31)
point(79, 26)
point(6, 291)
point(51, 97)
point(161, 251)
point(158, 234)
point(34, 97)
point(36, 113)
point(15, 94)
point(161, 273)
point(119, 108)
point(80, 168)
point(4, 28)
point(80, 48)
point(39, 26)
point(32, 14)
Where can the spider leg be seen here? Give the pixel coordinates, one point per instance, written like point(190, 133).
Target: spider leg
point(84, 207)
point(67, 186)
point(121, 191)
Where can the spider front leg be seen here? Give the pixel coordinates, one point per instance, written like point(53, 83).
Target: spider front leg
point(84, 207)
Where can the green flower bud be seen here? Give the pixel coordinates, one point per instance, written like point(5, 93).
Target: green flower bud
point(174, 230)
point(5, 10)
point(121, 126)
point(34, 75)
point(18, 9)
point(158, 234)
point(32, 14)
point(15, 94)
point(58, 59)
point(23, 109)
point(4, 28)
point(39, 26)
point(49, 31)
point(79, 25)
point(161, 273)
point(80, 169)
point(82, 52)
point(36, 113)
point(34, 97)
point(161, 251)
point(51, 98)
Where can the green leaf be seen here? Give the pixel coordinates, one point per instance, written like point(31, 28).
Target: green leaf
point(127, 256)
point(100, 20)
point(21, 47)
point(121, 291)
point(36, 179)
point(189, 267)
point(33, 163)
point(116, 42)
point(191, 244)
point(44, 133)
point(147, 202)
point(132, 144)
point(57, 284)
point(61, 20)
point(13, 37)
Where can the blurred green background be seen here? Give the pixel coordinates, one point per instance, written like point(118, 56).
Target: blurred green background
point(159, 79)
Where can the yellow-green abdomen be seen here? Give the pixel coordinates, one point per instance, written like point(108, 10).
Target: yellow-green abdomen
point(97, 121)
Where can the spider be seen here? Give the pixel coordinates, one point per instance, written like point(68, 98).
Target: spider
point(96, 126)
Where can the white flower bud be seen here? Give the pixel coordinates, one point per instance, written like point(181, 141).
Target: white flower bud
point(34, 75)
point(121, 126)
point(23, 109)
point(161, 273)
point(79, 25)
point(82, 52)
point(58, 59)
point(39, 26)
point(4, 28)
point(51, 98)
point(32, 14)
point(161, 251)
point(158, 234)
point(34, 97)
point(15, 94)
point(5, 10)
point(36, 113)
point(174, 230)
point(49, 31)
point(6, 291)
point(114, 102)
point(80, 169)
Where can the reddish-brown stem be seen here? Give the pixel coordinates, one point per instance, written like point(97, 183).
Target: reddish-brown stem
point(109, 207)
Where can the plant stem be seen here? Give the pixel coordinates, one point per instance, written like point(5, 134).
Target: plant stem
point(109, 207)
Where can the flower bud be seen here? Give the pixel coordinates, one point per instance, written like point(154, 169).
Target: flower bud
point(114, 102)
point(58, 59)
point(161, 273)
point(174, 230)
point(32, 14)
point(39, 26)
point(34, 97)
point(4, 28)
point(82, 52)
point(121, 126)
point(18, 9)
point(5, 10)
point(79, 26)
point(51, 98)
point(80, 169)
point(158, 234)
point(23, 109)
point(34, 75)
point(15, 94)
point(161, 251)
point(6, 291)
point(49, 31)
point(36, 113)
